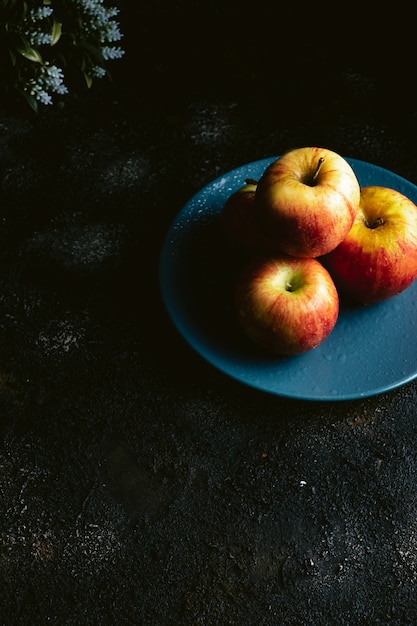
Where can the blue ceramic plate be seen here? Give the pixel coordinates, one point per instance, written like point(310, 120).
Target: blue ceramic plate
point(370, 351)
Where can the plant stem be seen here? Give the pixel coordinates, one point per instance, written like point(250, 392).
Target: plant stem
point(318, 168)
point(377, 222)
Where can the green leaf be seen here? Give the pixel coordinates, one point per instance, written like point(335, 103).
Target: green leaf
point(56, 32)
point(12, 10)
point(30, 100)
point(29, 53)
point(94, 52)
point(7, 4)
point(88, 79)
point(12, 57)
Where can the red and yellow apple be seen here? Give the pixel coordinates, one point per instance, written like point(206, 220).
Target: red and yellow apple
point(286, 305)
point(240, 224)
point(378, 258)
point(307, 200)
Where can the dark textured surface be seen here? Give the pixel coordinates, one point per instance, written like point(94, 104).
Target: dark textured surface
point(137, 484)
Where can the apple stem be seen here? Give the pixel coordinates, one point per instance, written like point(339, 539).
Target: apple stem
point(378, 222)
point(318, 168)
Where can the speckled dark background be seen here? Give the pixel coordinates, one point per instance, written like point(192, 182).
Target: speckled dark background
point(138, 485)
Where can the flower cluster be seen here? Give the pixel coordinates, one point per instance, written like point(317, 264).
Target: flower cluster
point(49, 79)
point(34, 24)
point(46, 48)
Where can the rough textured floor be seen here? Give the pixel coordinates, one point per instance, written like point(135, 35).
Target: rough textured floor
point(139, 485)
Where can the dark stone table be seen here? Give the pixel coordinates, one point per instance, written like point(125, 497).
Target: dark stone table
point(138, 484)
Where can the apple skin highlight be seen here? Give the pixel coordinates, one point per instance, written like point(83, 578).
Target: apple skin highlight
point(307, 201)
point(377, 260)
point(286, 305)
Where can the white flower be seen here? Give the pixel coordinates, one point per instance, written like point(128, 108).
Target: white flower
point(40, 39)
point(49, 80)
point(113, 52)
point(97, 72)
point(40, 13)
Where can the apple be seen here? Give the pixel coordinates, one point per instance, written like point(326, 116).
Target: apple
point(240, 224)
point(378, 257)
point(307, 201)
point(286, 305)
